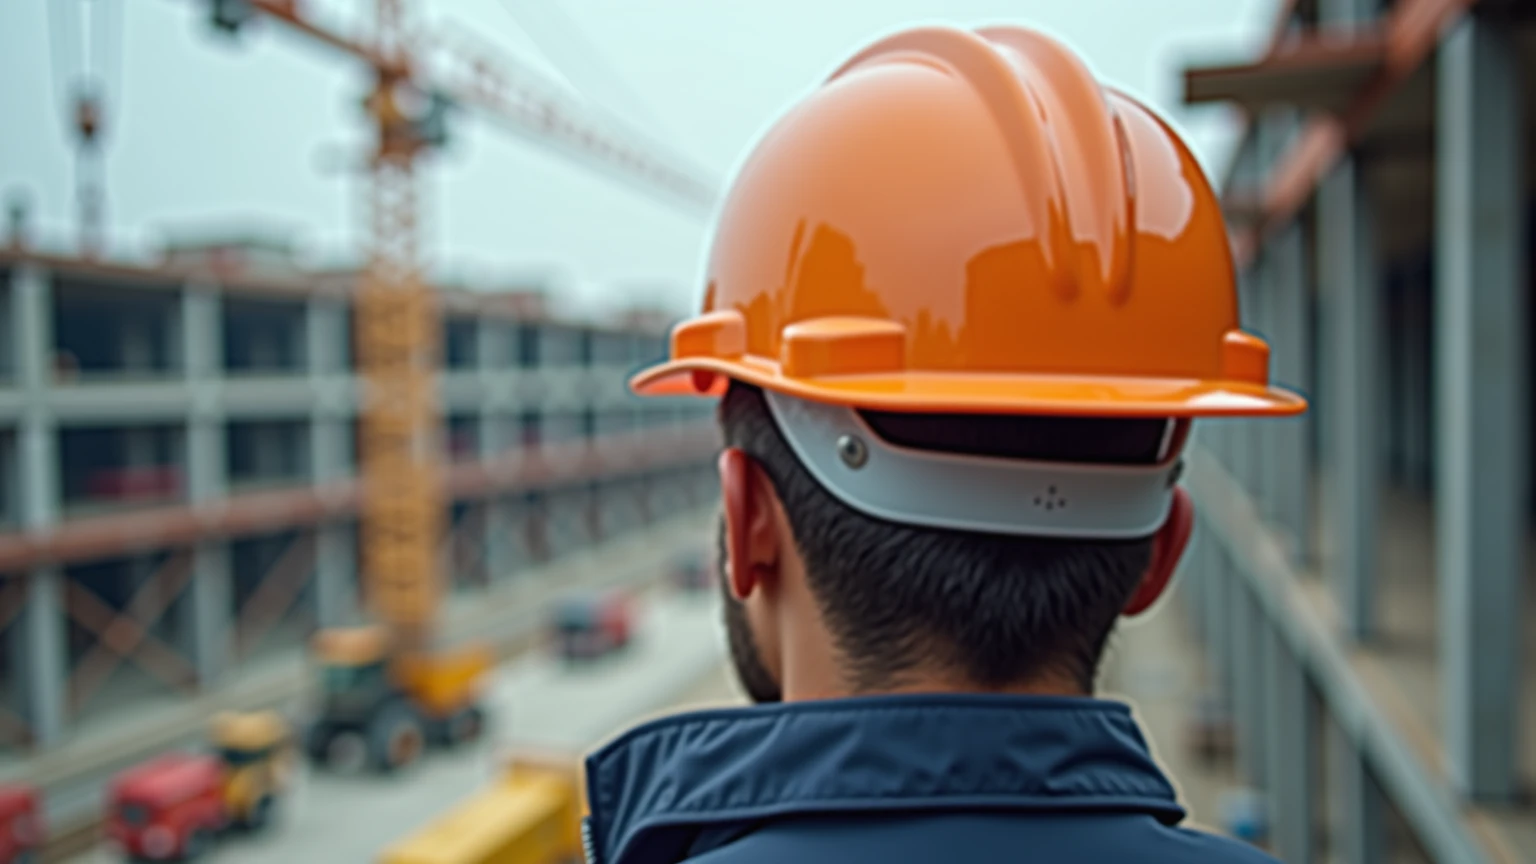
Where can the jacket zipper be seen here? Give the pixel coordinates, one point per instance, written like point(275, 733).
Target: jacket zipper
point(588, 848)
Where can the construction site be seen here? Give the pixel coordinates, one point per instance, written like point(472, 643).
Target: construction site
point(359, 562)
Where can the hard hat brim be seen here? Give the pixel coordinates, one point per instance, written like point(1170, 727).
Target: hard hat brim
point(971, 393)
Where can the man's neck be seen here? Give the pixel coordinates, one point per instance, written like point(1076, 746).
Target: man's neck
point(919, 682)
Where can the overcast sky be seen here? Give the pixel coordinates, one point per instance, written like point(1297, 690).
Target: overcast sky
point(207, 134)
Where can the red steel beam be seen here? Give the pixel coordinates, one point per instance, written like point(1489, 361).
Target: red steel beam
point(1282, 23)
point(96, 537)
point(1411, 32)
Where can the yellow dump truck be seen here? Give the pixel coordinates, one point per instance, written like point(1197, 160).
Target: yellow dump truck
point(532, 815)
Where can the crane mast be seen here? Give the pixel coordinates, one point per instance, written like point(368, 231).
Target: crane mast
point(398, 334)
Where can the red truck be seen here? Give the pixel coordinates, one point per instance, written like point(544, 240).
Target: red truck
point(168, 808)
point(173, 806)
point(21, 825)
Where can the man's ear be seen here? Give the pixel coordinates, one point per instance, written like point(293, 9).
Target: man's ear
point(751, 542)
point(1167, 548)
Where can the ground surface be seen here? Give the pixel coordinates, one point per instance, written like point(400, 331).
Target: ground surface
point(537, 702)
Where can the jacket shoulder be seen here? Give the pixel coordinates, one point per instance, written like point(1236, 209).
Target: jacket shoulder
point(945, 839)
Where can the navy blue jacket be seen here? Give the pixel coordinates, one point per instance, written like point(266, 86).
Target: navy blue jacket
point(895, 779)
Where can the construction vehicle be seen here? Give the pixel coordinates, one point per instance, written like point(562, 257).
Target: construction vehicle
point(387, 704)
point(592, 625)
point(174, 806)
point(21, 825)
point(531, 815)
point(388, 687)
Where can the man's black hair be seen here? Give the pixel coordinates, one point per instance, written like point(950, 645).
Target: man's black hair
point(1000, 610)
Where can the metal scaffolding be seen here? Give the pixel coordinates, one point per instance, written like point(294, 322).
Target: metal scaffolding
point(1367, 640)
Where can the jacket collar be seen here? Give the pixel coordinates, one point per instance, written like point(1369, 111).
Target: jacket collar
point(662, 788)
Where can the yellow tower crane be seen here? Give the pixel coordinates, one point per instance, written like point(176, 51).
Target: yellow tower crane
point(388, 689)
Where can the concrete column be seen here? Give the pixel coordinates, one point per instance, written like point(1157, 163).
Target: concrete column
point(325, 353)
point(493, 357)
point(8, 362)
point(209, 604)
point(32, 327)
point(1351, 283)
point(325, 336)
point(1358, 806)
point(500, 514)
point(41, 647)
point(336, 575)
point(1481, 502)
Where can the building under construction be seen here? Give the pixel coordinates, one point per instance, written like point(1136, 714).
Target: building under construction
point(178, 502)
point(1363, 575)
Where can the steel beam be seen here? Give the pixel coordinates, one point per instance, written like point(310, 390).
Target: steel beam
point(1411, 31)
point(1358, 808)
point(1440, 822)
point(249, 513)
point(1481, 493)
point(1351, 285)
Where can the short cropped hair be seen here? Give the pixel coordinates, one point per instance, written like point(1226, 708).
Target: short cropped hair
point(1000, 610)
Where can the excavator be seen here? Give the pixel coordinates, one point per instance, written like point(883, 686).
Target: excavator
point(380, 705)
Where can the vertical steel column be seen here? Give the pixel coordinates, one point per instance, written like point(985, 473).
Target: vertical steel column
point(1269, 470)
point(1218, 623)
point(1247, 683)
point(41, 649)
point(209, 605)
point(1290, 750)
point(1481, 503)
point(1352, 292)
point(1358, 805)
point(326, 360)
point(1290, 456)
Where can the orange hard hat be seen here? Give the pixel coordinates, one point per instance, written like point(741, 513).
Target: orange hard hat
point(970, 222)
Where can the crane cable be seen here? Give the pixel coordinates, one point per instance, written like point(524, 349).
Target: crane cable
point(86, 61)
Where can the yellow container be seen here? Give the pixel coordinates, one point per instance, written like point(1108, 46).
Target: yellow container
point(529, 817)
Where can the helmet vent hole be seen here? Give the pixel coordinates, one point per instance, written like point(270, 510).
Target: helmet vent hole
point(1051, 501)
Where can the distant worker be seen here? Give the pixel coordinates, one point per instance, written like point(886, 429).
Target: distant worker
point(961, 306)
